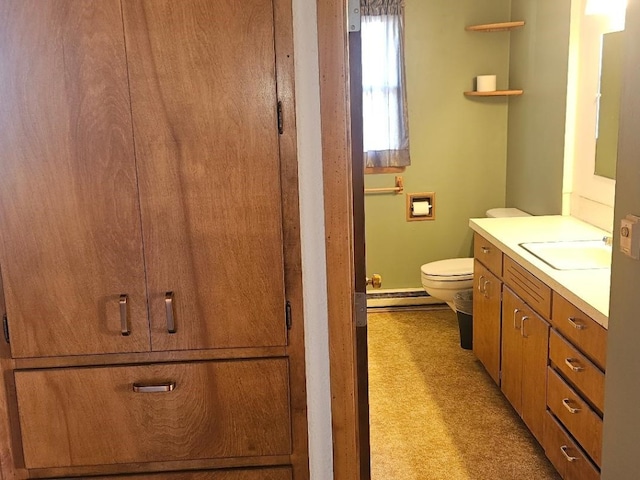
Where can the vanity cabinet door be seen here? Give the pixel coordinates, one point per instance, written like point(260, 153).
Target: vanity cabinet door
point(525, 342)
point(486, 319)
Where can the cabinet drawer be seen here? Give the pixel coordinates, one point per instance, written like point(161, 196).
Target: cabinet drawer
point(582, 330)
point(583, 423)
point(528, 287)
point(488, 254)
point(577, 369)
point(278, 473)
point(565, 455)
point(112, 415)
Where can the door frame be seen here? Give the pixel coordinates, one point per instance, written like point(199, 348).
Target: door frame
point(337, 165)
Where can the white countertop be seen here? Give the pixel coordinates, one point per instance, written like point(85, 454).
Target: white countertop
point(586, 289)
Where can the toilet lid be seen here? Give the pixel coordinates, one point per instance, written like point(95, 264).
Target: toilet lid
point(460, 268)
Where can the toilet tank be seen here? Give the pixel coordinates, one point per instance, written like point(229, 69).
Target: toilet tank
point(506, 212)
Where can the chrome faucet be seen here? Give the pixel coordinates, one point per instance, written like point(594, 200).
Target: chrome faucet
point(608, 241)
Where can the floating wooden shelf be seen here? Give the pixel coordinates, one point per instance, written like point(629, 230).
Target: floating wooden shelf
point(495, 27)
point(495, 93)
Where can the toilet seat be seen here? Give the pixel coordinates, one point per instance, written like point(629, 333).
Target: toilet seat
point(450, 270)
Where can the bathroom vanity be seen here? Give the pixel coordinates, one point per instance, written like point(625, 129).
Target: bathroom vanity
point(540, 329)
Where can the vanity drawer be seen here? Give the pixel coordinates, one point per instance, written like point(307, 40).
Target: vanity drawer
point(583, 423)
point(488, 254)
point(534, 292)
point(565, 455)
point(586, 334)
point(277, 473)
point(76, 417)
point(577, 369)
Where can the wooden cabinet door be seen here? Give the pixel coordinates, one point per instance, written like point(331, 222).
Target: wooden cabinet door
point(511, 379)
point(486, 319)
point(69, 214)
point(204, 104)
point(535, 350)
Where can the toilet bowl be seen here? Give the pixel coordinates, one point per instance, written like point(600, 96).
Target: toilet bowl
point(444, 278)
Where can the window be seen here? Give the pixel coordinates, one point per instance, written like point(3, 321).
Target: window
point(385, 125)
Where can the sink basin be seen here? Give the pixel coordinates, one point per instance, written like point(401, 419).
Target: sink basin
point(572, 255)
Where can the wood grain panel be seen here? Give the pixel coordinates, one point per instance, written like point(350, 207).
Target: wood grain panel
point(589, 380)
point(582, 422)
point(486, 319)
point(528, 287)
point(535, 351)
point(488, 254)
point(511, 365)
point(203, 91)
point(92, 416)
point(283, 473)
point(587, 335)
point(71, 242)
point(555, 440)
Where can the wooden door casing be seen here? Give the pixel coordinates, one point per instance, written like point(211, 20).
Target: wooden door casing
point(486, 321)
point(68, 187)
point(203, 94)
point(78, 417)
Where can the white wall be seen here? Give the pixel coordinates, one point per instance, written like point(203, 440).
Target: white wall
point(313, 242)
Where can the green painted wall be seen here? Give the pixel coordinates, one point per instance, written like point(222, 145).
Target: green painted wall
point(538, 65)
point(458, 145)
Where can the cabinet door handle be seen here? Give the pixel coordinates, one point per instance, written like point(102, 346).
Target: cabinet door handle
point(484, 288)
point(569, 458)
point(168, 303)
point(574, 324)
point(515, 312)
point(524, 319)
point(160, 388)
point(565, 402)
point(124, 320)
point(485, 249)
point(572, 363)
point(479, 282)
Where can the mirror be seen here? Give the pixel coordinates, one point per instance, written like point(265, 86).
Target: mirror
point(609, 105)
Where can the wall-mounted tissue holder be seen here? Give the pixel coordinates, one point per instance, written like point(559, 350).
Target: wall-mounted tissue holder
point(421, 206)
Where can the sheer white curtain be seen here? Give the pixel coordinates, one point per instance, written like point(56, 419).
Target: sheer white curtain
point(386, 130)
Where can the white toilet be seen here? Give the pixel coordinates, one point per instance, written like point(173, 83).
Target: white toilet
point(444, 278)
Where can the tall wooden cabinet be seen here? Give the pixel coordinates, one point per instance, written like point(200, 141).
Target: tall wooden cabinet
point(149, 245)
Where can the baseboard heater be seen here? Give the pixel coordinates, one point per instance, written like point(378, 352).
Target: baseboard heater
point(401, 297)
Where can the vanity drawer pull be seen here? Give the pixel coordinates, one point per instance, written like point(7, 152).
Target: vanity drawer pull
point(576, 325)
point(565, 402)
point(572, 363)
point(160, 388)
point(569, 458)
point(485, 249)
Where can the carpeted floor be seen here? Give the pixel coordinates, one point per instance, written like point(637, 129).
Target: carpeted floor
point(435, 412)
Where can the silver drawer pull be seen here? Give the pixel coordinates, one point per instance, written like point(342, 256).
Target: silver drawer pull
point(515, 312)
point(569, 458)
point(524, 319)
point(163, 387)
point(168, 303)
point(572, 364)
point(565, 402)
point(124, 321)
point(485, 249)
point(479, 282)
point(576, 325)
